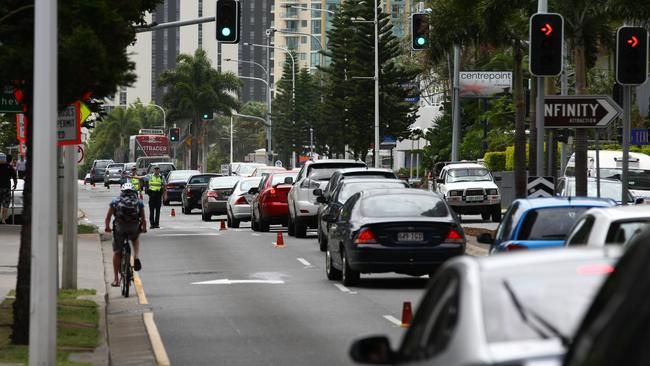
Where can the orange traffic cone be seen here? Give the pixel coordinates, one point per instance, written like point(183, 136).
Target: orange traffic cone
point(223, 225)
point(279, 241)
point(173, 214)
point(407, 314)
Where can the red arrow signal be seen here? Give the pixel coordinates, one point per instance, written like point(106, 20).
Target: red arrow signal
point(633, 41)
point(547, 29)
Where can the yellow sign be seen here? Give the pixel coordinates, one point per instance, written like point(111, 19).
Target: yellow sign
point(85, 111)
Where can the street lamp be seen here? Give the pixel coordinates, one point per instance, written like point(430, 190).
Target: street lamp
point(302, 7)
point(231, 128)
point(163, 112)
point(249, 62)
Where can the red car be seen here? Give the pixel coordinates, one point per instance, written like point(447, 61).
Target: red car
point(269, 205)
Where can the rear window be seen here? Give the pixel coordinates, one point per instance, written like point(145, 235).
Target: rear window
point(222, 182)
point(350, 190)
point(201, 179)
point(551, 223)
point(403, 205)
point(369, 175)
point(559, 293)
point(116, 166)
point(325, 171)
point(181, 175)
point(102, 164)
point(279, 178)
point(246, 185)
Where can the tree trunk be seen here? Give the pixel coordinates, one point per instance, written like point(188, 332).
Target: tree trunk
point(520, 127)
point(20, 326)
point(194, 152)
point(532, 137)
point(581, 133)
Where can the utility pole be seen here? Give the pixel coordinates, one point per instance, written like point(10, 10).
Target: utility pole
point(376, 150)
point(69, 265)
point(455, 131)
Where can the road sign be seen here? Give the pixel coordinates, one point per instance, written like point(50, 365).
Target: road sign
point(81, 154)
point(21, 127)
point(278, 163)
point(639, 136)
point(225, 169)
point(580, 111)
point(68, 125)
point(8, 102)
point(540, 187)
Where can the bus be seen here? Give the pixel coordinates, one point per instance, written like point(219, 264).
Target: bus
point(148, 143)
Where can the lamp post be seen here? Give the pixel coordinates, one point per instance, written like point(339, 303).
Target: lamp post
point(164, 115)
point(249, 62)
point(302, 7)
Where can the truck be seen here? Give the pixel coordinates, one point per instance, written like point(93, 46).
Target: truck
point(148, 143)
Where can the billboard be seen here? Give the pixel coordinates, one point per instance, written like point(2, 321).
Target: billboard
point(484, 84)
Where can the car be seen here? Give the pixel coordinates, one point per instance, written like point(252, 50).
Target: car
point(345, 189)
point(369, 173)
point(266, 170)
point(519, 309)
point(193, 191)
point(536, 223)
point(239, 202)
point(142, 163)
point(16, 205)
point(269, 205)
point(98, 169)
point(303, 208)
point(614, 331)
point(609, 188)
point(469, 189)
point(175, 183)
point(246, 169)
point(214, 198)
point(165, 168)
point(608, 226)
point(408, 231)
point(114, 174)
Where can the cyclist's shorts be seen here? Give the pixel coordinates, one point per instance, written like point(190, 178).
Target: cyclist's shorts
point(121, 232)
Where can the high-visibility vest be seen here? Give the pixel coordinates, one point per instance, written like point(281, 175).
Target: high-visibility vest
point(136, 183)
point(155, 183)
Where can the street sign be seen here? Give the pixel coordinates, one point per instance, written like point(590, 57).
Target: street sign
point(80, 154)
point(484, 84)
point(580, 111)
point(8, 102)
point(540, 187)
point(21, 126)
point(278, 163)
point(639, 136)
point(225, 169)
point(68, 125)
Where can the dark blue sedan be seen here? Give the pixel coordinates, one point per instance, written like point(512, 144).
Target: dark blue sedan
point(538, 223)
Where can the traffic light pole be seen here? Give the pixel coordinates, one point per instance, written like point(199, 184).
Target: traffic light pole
point(376, 149)
point(455, 130)
point(627, 122)
point(542, 7)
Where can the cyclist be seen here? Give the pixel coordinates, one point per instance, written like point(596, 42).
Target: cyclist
point(129, 222)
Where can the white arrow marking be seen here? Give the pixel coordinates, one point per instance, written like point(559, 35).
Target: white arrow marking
point(226, 281)
point(611, 112)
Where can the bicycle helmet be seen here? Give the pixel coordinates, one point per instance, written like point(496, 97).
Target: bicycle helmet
point(127, 187)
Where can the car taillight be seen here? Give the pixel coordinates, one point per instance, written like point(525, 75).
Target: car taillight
point(589, 269)
point(213, 194)
point(454, 236)
point(513, 247)
point(365, 236)
point(241, 201)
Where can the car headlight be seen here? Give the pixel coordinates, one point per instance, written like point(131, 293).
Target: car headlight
point(492, 192)
point(455, 193)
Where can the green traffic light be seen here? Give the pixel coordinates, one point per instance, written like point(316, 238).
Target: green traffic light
point(225, 31)
point(421, 41)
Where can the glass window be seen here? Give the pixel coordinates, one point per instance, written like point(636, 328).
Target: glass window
point(468, 175)
point(279, 178)
point(223, 182)
point(581, 231)
point(292, 42)
point(505, 228)
point(315, 59)
point(316, 26)
point(201, 179)
point(324, 171)
point(403, 205)
point(303, 23)
point(348, 190)
point(549, 223)
point(246, 185)
point(183, 175)
point(620, 233)
point(316, 13)
point(102, 164)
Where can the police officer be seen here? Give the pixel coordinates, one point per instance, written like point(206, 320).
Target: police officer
point(134, 179)
point(155, 190)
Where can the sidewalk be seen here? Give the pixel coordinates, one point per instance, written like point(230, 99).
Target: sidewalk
point(123, 336)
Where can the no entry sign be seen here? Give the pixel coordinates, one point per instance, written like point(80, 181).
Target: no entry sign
point(580, 111)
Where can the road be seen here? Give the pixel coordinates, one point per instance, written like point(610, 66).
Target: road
point(298, 318)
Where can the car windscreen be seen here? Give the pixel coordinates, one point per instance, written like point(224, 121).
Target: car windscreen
point(115, 166)
point(180, 175)
point(468, 175)
point(325, 171)
point(201, 179)
point(222, 182)
point(638, 179)
point(102, 164)
point(348, 190)
point(558, 292)
point(246, 169)
point(246, 185)
point(278, 178)
point(403, 205)
point(552, 223)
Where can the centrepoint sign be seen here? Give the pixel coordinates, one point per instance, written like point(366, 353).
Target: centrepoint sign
point(484, 84)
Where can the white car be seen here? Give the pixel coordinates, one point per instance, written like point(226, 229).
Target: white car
point(239, 203)
point(16, 207)
point(469, 189)
point(303, 208)
point(247, 169)
point(608, 226)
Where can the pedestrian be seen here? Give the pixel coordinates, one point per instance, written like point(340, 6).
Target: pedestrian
point(21, 167)
point(7, 174)
point(155, 190)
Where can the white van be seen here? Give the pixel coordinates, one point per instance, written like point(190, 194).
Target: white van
point(611, 165)
point(143, 162)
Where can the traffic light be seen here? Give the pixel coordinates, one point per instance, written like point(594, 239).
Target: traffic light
point(206, 115)
point(419, 31)
point(546, 38)
point(631, 55)
point(174, 134)
point(227, 19)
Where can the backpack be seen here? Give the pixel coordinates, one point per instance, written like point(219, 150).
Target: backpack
point(127, 209)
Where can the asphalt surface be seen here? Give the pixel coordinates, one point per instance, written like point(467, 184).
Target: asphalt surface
point(285, 313)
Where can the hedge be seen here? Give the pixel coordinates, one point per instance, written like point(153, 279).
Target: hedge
point(495, 160)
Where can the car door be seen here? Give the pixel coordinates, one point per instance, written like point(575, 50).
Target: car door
point(339, 229)
point(333, 206)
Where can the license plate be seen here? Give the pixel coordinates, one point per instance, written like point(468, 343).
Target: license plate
point(473, 198)
point(410, 236)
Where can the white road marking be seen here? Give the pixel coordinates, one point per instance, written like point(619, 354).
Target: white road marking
point(393, 320)
point(226, 281)
point(345, 289)
point(304, 262)
point(192, 234)
point(256, 234)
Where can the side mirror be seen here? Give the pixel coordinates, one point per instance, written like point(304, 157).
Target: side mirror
point(288, 180)
point(321, 199)
point(485, 238)
point(253, 190)
point(372, 350)
point(639, 201)
point(318, 192)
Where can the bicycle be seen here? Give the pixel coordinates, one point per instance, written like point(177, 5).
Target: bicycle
point(126, 270)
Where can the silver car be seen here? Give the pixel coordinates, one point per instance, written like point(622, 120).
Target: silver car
point(16, 205)
point(239, 202)
point(511, 309)
point(609, 226)
point(114, 174)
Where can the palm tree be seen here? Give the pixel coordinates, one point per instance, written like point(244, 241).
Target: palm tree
point(118, 126)
point(194, 87)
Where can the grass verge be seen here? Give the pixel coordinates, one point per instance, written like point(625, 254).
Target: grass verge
point(77, 328)
point(82, 229)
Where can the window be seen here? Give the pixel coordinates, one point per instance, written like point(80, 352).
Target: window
point(551, 223)
point(292, 25)
point(315, 59)
point(581, 231)
point(316, 13)
point(316, 27)
point(303, 39)
point(292, 42)
point(505, 228)
point(303, 23)
point(621, 233)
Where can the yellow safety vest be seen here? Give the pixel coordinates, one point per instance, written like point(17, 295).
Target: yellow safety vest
point(136, 183)
point(155, 183)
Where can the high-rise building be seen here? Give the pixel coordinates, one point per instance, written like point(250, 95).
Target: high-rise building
point(256, 18)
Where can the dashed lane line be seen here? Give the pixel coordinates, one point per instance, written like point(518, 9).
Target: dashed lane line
point(393, 320)
point(345, 289)
point(304, 262)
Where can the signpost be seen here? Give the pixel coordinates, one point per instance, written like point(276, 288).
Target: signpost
point(484, 84)
point(540, 187)
point(68, 125)
point(580, 111)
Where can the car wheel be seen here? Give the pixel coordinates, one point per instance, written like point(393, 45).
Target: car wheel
point(486, 215)
point(332, 273)
point(187, 210)
point(205, 217)
point(350, 276)
point(300, 229)
point(322, 241)
point(263, 225)
point(234, 223)
point(291, 229)
point(496, 213)
point(254, 224)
